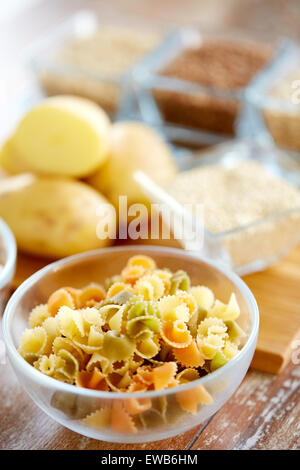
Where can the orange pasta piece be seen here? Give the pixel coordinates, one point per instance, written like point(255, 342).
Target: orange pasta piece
point(132, 273)
point(189, 356)
point(94, 380)
point(144, 375)
point(75, 295)
point(164, 375)
point(60, 298)
point(91, 295)
point(116, 288)
point(176, 334)
point(135, 406)
point(121, 421)
point(137, 386)
point(190, 399)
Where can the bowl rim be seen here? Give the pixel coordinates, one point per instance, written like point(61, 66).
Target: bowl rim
point(10, 249)
point(64, 387)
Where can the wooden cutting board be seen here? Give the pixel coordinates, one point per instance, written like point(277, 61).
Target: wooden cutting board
point(277, 291)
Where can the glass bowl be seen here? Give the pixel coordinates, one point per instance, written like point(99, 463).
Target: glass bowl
point(8, 254)
point(189, 113)
point(69, 405)
point(246, 247)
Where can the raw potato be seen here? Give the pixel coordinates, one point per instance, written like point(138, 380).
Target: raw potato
point(53, 217)
point(134, 146)
point(64, 135)
point(10, 162)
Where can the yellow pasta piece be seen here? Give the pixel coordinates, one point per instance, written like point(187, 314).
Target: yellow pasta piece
point(212, 325)
point(91, 343)
point(189, 356)
point(51, 327)
point(172, 308)
point(231, 311)
point(38, 315)
point(176, 334)
point(203, 296)
point(33, 341)
point(163, 375)
point(115, 322)
point(165, 276)
point(106, 312)
point(121, 421)
point(70, 322)
point(91, 295)
point(142, 260)
point(31, 358)
point(100, 361)
point(48, 365)
point(91, 317)
point(71, 366)
point(60, 298)
point(99, 419)
point(148, 348)
point(68, 345)
point(230, 350)
point(210, 345)
point(150, 287)
point(117, 287)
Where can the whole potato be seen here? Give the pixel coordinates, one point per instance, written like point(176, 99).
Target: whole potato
point(54, 217)
point(64, 136)
point(134, 146)
point(10, 162)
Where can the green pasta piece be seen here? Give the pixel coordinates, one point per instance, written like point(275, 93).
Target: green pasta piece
point(142, 326)
point(116, 346)
point(121, 298)
point(195, 319)
point(234, 330)
point(137, 307)
point(218, 361)
point(180, 281)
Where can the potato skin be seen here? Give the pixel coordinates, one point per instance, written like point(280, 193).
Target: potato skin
point(134, 146)
point(53, 217)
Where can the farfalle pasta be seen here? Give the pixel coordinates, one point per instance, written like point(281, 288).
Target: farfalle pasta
point(148, 329)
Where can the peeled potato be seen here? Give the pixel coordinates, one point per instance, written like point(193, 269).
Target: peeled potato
point(64, 135)
point(134, 146)
point(53, 217)
point(10, 162)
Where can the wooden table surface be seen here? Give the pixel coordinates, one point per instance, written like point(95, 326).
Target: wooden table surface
point(264, 412)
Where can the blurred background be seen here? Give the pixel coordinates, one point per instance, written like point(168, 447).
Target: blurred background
point(22, 21)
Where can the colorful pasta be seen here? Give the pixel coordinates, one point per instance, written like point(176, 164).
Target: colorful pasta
point(148, 330)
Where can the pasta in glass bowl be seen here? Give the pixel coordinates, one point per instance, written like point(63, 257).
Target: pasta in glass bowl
point(175, 382)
